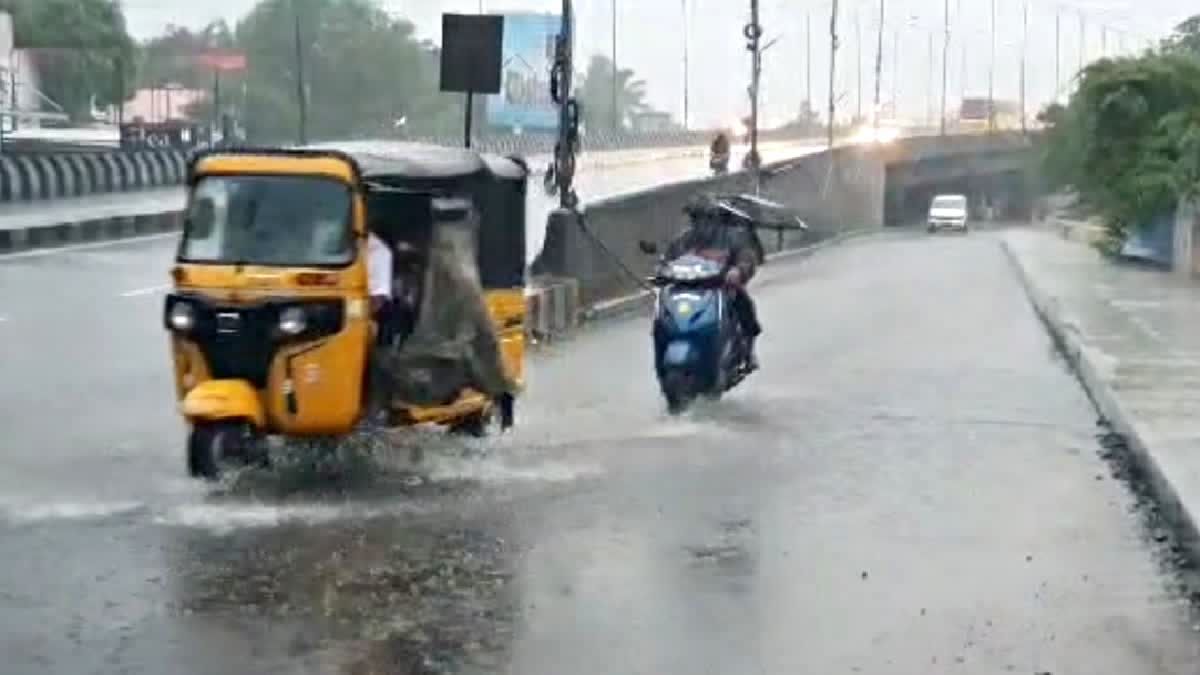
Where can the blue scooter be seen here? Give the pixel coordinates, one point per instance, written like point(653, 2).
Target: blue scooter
point(699, 346)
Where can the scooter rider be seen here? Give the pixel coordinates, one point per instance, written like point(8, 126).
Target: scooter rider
point(713, 233)
point(720, 145)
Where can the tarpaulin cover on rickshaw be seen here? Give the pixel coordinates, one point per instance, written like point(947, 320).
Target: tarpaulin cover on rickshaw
point(465, 213)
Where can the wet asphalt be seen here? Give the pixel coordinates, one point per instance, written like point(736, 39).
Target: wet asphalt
point(912, 484)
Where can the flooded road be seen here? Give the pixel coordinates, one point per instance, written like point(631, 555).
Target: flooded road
point(911, 484)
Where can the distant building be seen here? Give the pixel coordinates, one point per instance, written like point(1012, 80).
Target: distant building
point(162, 104)
point(19, 82)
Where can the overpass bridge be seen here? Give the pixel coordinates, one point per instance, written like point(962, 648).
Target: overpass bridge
point(849, 189)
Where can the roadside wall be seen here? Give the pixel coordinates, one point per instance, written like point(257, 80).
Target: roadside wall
point(833, 191)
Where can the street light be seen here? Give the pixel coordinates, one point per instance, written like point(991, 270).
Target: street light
point(302, 100)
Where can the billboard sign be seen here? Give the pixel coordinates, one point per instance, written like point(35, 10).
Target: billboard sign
point(222, 60)
point(528, 55)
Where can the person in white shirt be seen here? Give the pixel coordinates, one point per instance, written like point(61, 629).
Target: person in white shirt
point(379, 272)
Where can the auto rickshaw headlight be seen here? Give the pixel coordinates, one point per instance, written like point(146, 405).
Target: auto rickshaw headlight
point(182, 317)
point(292, 321)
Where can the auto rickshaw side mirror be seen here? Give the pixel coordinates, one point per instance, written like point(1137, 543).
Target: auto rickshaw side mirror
point(648, 247)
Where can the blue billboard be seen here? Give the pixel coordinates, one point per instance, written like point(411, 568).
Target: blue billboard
point(528, 54)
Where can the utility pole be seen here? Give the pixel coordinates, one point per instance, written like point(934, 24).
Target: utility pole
point(878, 68)
point(616, 114)
point(945, 65)
point(301, 97)
point(833, 47)
point(686, 74)
point(992, 76)
point(753, 34)
point(1103, 41)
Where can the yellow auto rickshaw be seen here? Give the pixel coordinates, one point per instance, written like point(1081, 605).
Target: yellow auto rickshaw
point(271, 327)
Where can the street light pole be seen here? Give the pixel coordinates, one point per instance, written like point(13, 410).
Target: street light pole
point(1082, 40)
point(895, 73)
point(878, 67)
point(616, 114)
point(929, 84)
point(686, 75)
point(858, 44)
point(808, 61)
point(992, 75)
point(1057, 54)
point(753, 33)
point(1024, 47)
point(945, 65)
point(833, 47)
point(301, 97)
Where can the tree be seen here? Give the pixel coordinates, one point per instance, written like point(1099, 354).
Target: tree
point(1186, 37)
point(1128, 142)
point(363, 71)
point(81, 48)
point(596, 95)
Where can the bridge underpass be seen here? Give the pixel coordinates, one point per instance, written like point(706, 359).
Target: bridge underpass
point(909, 485)
point(1002, 180)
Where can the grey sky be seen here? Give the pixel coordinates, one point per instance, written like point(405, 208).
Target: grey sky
point(650, 39)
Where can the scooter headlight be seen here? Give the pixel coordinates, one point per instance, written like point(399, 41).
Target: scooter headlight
point(182, 317)
point(292, 321)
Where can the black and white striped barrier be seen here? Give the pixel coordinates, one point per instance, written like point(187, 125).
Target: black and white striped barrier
point(88, 230)
point(57, 176)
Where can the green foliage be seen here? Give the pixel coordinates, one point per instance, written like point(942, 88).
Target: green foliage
point(1128, 142)
point(1187, 37)
point(596, 94)
point(363, 71)
point(81, 48)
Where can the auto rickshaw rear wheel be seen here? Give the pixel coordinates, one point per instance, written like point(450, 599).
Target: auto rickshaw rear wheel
point(215, 446)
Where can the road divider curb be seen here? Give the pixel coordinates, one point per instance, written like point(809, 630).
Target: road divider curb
point(1087, 363)
point(87, 231)
point(552, 305)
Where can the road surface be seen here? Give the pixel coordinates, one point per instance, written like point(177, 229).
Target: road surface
point(911, 484)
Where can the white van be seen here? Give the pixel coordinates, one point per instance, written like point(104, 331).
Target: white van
point(948, 212)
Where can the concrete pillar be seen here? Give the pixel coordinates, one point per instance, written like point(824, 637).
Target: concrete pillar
point(1186, 259)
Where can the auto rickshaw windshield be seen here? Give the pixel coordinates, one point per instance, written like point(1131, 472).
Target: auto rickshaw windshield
point(301, 221)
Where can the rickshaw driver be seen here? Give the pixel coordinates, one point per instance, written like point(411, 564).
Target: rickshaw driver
point(379, 284)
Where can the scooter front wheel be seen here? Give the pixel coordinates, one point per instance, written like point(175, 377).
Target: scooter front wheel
point(677, 388)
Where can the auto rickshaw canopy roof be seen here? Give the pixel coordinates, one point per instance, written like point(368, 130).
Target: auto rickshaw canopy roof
point(392, 162)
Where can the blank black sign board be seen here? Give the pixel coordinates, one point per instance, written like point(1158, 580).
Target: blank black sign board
point(471, 52)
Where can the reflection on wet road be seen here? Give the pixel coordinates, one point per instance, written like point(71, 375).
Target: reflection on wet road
point(910, 485)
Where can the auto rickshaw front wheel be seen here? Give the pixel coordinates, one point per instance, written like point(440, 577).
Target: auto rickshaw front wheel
point(475, 425)
point(214, 447)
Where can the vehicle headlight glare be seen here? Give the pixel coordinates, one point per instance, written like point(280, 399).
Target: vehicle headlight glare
point(292, 321)
point(182, 318)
